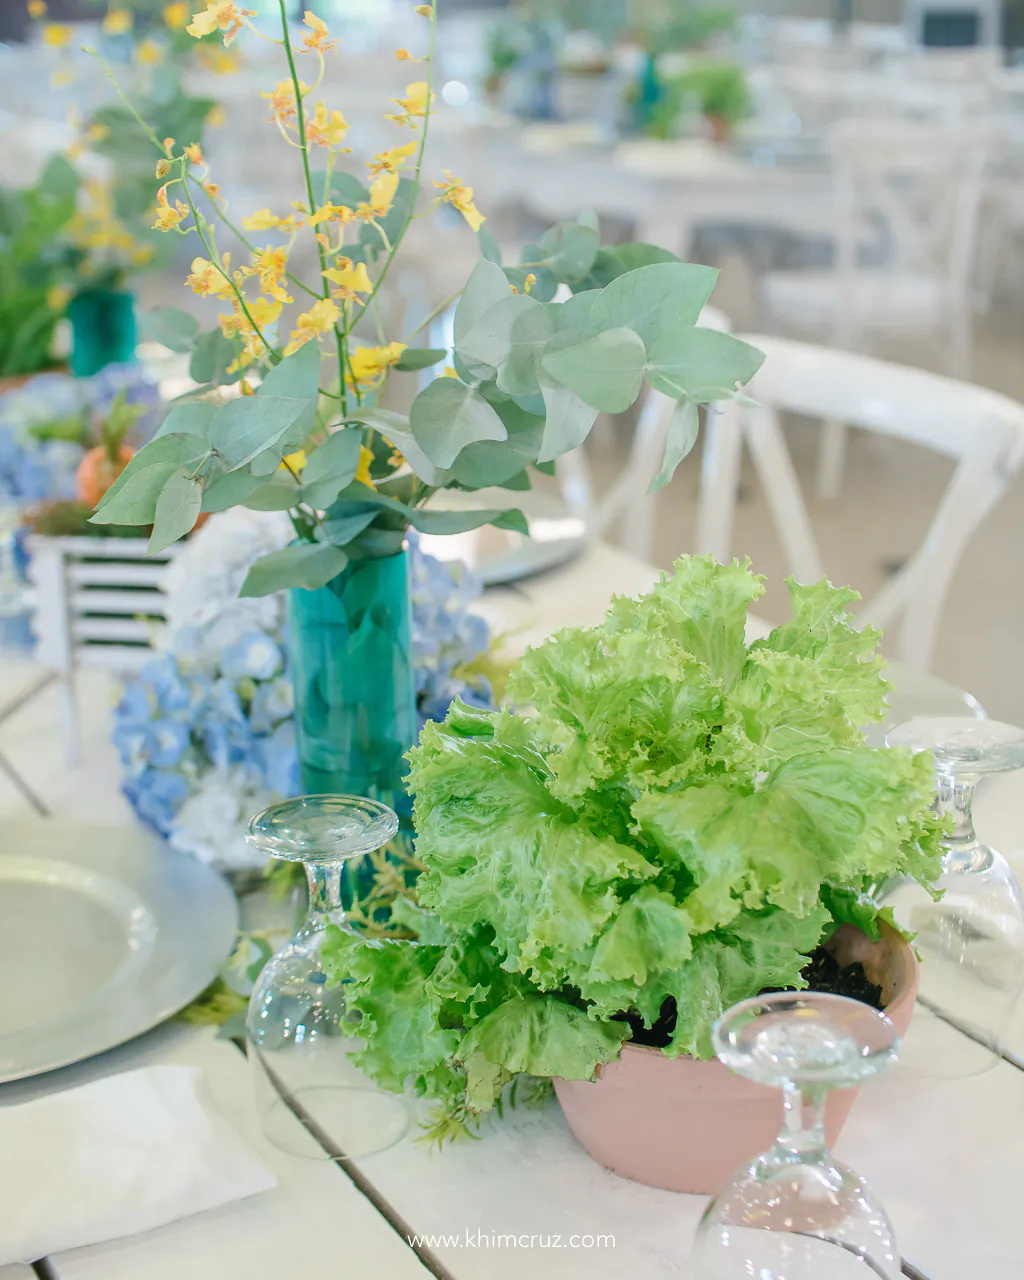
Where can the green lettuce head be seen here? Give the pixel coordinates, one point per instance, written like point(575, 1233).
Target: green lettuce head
point(675, 814)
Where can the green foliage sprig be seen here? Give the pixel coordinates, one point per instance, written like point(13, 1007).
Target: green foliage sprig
point(541, 348)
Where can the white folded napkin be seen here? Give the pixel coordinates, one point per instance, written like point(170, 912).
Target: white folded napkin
point(121, 1155)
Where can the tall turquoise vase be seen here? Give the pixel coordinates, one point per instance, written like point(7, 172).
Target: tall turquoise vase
point(102, 330)
point(355, 691)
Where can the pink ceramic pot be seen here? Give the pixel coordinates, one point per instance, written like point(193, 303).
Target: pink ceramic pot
point(685, 1125)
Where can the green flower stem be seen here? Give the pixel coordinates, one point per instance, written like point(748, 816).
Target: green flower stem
point(300, 120)
point(439, 310)
point(147, 130)
point(419, 169)
point(214, 256)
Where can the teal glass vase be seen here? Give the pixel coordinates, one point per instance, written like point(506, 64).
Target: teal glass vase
point(355, 692)
point(102, 330)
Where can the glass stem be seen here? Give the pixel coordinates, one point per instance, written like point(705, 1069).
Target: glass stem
point(325, 904)
point(803, 1123)
point(964, 852)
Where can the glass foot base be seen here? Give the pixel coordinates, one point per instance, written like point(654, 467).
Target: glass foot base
point(334, 1122)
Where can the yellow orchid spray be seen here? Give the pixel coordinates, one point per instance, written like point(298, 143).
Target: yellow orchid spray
point(524, 383)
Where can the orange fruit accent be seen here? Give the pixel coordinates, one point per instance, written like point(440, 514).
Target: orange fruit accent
point(97, 472)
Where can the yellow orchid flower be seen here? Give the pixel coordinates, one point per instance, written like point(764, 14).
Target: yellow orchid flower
point(194, 153)
point(223, 15)
point(449, 372)
point(403, 55)
point(351, 278)
point(264, 311)
point(424, 10)
point(382, 197)
point(117, 22)
point(282, 101)
point(264, 220)
point(320, 318)
point(391, 160)
point(461, 198)
point(294, 461)
point(168, 216)
point(270, 265)
point(417, 103)
point(176, 15)
point(330, 212)
point(37, 9)
point(326, 129)
point(316, 38)
point(365, 462)
point(208, 281)
point(368, 364)
point(222, 62)
point(149, 53)
point(57, 35)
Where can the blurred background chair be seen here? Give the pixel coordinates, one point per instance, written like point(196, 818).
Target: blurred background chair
point(981, 431)
point(907, 202)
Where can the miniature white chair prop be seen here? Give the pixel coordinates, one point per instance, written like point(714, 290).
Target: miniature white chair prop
point(982, 430)
point(98, 603)
point(918, 188)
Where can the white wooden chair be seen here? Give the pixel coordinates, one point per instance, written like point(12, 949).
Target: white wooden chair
point(917, 189)
point(97, 603)
point(982, 430)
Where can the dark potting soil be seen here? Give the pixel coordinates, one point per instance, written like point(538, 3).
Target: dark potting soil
point(822, 971)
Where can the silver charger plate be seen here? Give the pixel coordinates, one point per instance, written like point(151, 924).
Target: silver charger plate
point(104, 933)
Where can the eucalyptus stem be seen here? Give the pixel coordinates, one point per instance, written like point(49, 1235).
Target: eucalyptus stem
point(300, 120)
point(419, 168)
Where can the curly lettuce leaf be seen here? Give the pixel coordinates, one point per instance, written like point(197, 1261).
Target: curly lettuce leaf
point(539, 1036)
point(783, 705)
point(831, 817)
point(400, 1016)
point(759, 950)
point(632, 707)
point(821, 630)
point(500, 850)
point(649, 935)
point(702, 606)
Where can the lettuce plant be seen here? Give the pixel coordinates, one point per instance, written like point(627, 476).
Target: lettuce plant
point(677, 815)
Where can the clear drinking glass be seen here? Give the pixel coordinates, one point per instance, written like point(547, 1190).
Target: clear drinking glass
point(298, 1043)
point(797, 1213)
point(971, 942)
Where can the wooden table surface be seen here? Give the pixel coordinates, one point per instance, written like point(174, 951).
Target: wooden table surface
point(944, 1156)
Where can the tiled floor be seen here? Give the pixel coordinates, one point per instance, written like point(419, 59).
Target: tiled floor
point(889, 495)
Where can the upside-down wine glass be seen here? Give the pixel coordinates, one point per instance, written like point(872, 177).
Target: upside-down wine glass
point(795, 1212)
point(970, 941)
point(299, 1044)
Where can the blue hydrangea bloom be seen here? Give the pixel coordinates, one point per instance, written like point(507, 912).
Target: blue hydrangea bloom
point(200, 719)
